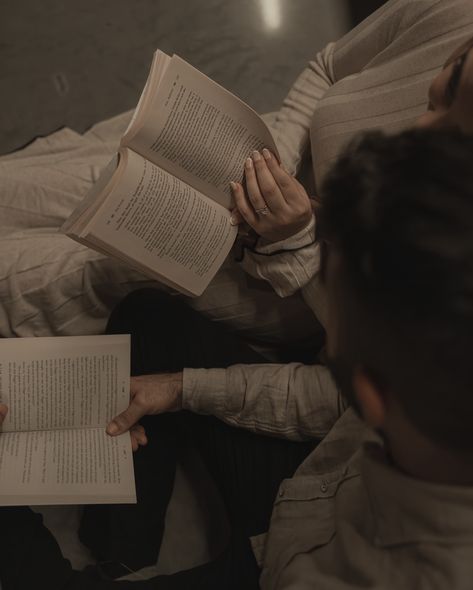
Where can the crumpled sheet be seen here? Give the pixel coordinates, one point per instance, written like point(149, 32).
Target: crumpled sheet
point(49, 284)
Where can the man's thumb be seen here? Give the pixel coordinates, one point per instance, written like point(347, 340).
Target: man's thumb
point(125, 420)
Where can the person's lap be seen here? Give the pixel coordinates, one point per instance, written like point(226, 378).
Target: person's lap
point(50, 285)
point(246, 468)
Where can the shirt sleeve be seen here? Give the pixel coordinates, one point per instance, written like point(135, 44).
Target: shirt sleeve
point(288, 265)
point(293, 401)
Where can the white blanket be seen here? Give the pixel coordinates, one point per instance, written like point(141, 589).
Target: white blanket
point(51, 285)
point(48, 283)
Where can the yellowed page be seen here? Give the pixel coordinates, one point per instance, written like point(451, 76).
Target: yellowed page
point(61, 393)
point(75, 466)
point(63, 382)
point(163, 225)
point(199, 132)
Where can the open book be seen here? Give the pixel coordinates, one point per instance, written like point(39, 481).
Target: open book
point(61, 393)
point(162, 205)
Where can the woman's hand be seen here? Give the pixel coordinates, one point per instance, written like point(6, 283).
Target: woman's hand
point(275, 204)
point(149, 394)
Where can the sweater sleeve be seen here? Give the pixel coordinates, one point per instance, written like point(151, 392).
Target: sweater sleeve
point(292, 264)
point(348, 56)
point(291, 401)
point(292, 122)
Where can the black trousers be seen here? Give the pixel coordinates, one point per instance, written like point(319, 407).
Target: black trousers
point(246, 468)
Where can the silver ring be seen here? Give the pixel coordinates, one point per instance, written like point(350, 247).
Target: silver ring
point(263, 211)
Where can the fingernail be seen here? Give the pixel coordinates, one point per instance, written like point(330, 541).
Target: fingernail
point(249, 163)
point(233, 221)
point(256, 156)
point(233, 185)
point(266, 154)
point(112, 428)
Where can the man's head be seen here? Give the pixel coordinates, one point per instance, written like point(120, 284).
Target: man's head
point(398, 215)
point(451, 93)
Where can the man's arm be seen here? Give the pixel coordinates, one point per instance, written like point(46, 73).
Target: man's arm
point(291, 401)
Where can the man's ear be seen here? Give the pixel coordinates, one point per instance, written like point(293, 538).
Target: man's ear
point(370, 399)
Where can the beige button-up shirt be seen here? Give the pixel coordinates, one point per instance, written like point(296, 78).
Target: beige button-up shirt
point(347, 519)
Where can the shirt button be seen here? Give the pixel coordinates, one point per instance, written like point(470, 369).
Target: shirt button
point(323, 488)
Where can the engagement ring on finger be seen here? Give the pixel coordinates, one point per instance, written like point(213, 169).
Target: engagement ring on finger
point(263, 211)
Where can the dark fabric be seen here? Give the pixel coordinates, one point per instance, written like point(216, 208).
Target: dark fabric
point(246, 468)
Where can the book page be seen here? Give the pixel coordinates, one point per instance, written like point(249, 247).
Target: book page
point(158, 66)
point(63, 382)
point(95, 197)
point(164, 225)
point(199, 132)
point(65, 467)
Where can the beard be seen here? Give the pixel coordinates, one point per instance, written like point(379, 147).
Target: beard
point(343, 372)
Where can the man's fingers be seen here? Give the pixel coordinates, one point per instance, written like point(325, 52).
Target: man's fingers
point(126, 419)
point(139, 434)
point(138, 437)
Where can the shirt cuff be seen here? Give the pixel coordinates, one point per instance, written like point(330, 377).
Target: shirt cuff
point(303, 238)
point(204, 391)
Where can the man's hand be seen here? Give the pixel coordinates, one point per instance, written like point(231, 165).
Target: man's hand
point(3, 413)
point(149, 394)
point(274, 204)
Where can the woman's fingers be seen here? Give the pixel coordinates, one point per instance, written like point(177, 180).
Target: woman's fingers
point(244, 206)
point(236, 217)
point(315, 203)
point(289, 187)
point(274, 204)
point(264, 166)
point(252, 187)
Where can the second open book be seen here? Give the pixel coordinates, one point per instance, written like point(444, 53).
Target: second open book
point(61, 393)
point(163, 203)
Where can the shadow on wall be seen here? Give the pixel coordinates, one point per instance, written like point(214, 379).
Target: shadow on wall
point(76, 63)
point(360, 9)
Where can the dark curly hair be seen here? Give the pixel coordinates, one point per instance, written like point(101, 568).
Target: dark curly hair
point(399, 212)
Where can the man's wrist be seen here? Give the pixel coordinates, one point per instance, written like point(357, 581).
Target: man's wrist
point(204, 390)
point(179, 389)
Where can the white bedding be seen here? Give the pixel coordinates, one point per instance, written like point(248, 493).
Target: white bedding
point(48, 283)
point(51, 285)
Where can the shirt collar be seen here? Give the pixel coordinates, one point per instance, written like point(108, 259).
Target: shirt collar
point(407, 510)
